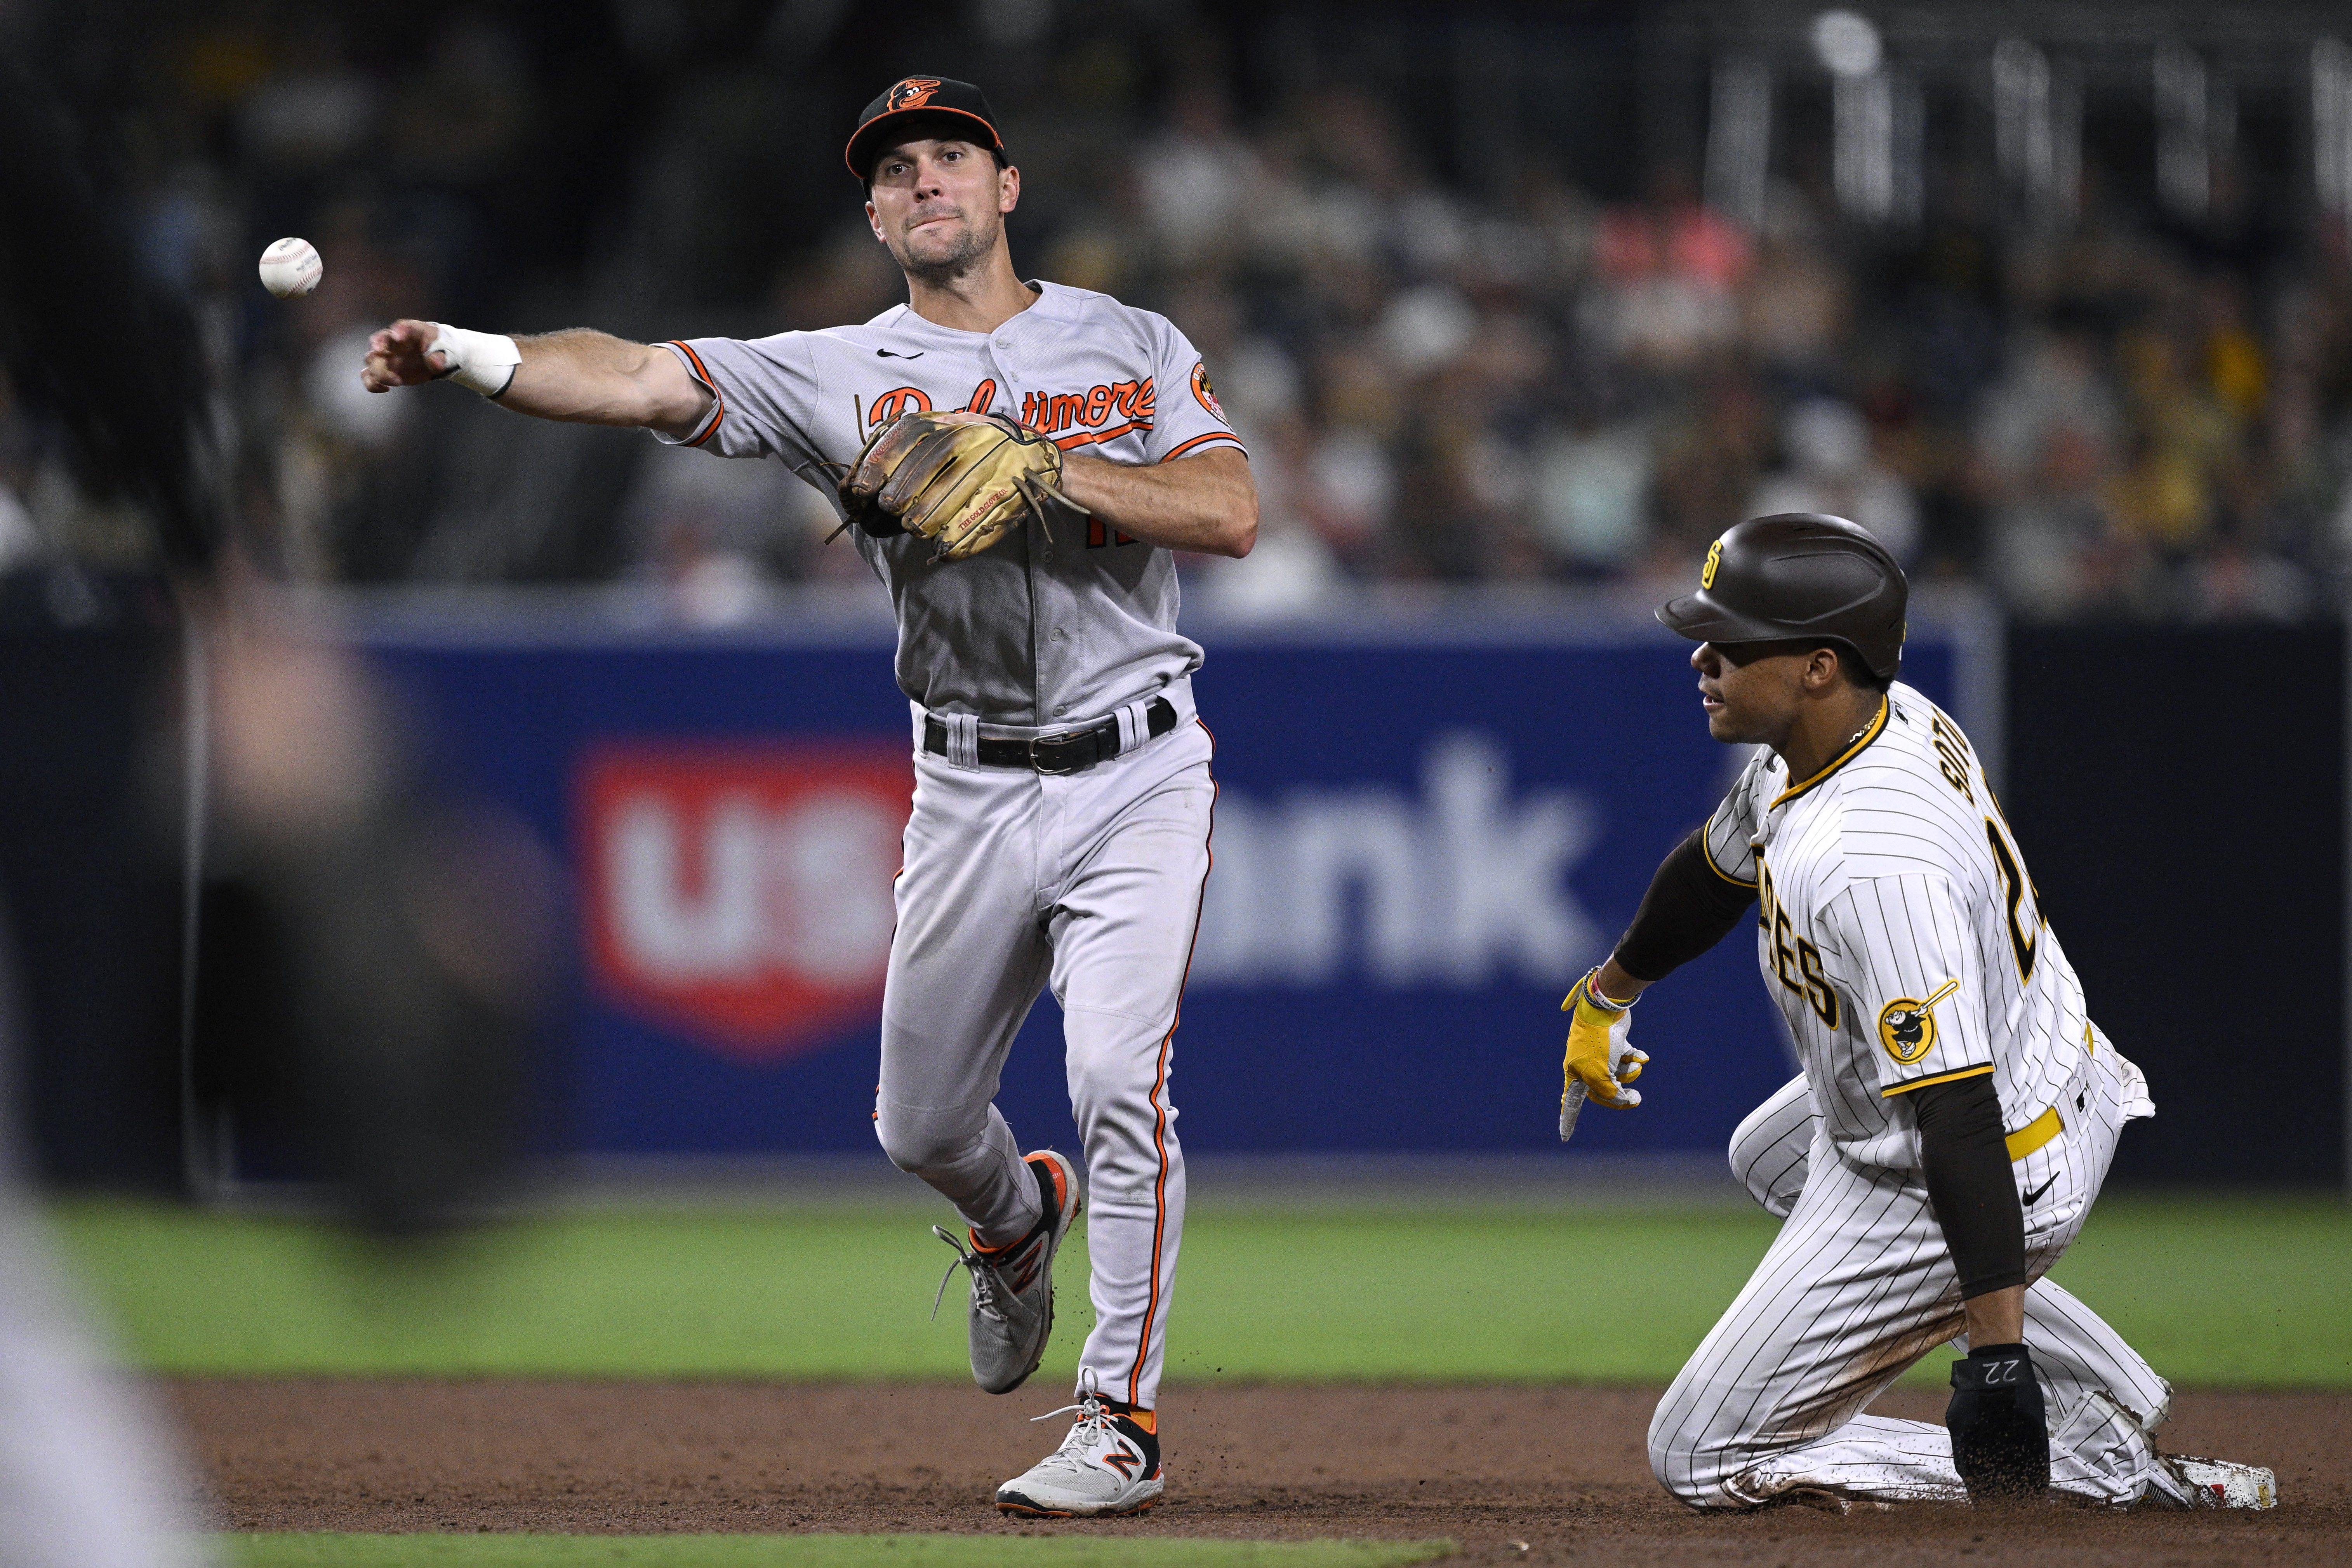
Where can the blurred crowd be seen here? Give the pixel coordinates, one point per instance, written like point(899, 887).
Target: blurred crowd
point(2106, 421)
point(1445, 381)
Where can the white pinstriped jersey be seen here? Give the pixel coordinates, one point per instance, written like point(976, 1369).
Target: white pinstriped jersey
point(1060, 623)
point(1899, 932)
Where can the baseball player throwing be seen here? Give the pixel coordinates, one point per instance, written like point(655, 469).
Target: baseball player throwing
point(1018, 461)
point(1957, 1108)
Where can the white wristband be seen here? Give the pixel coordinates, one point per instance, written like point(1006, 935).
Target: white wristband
point(485, 362)
point(1607, 1003)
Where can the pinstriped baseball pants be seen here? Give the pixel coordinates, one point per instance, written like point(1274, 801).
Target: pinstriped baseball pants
point(1091, 882)
point(1858, 1287)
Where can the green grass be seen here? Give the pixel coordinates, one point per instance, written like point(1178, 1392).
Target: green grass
point(326, 1551)
point(2245, 1291)
point(2236, 1293)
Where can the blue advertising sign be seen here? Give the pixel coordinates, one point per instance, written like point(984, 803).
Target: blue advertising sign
point(1421, 838)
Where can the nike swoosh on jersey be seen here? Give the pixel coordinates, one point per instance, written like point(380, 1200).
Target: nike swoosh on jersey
point(2034, 1196)
point(892, 353)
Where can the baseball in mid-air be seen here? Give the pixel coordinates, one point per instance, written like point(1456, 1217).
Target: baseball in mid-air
point(291, 267)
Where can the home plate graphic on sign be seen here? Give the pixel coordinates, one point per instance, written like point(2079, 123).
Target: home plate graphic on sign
point(741, 894)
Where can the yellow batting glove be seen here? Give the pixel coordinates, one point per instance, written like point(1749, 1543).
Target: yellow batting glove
point(1600, 1064)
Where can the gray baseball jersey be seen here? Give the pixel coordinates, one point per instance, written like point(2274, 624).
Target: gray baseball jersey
point(1013, 879)
point(1065, 620)
point(1899, 932)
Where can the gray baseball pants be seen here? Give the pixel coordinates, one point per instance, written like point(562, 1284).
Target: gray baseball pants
point(1090, 882)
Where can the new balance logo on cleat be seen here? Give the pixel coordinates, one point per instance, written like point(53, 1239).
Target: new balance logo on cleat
point(1107, 1465)
point(1031, 1261)
point(1011, 1313)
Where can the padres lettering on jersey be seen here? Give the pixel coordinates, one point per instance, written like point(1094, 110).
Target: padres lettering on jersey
point(1790, 956)
point(1898, 929)
point(1064, 621)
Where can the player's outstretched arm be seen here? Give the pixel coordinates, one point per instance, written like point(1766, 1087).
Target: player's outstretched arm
point(1207, 502)
point(579, 374)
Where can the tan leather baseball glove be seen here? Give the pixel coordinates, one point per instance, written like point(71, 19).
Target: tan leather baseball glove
point(962, 480)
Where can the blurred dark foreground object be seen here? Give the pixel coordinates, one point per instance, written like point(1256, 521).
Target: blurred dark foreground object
point(369, 983)
point(90, 894)
point(368, 955)
point(371, 955)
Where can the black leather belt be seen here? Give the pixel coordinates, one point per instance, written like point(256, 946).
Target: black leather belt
point(1074, 752)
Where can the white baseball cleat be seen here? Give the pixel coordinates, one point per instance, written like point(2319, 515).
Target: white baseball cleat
point(2218, 1483)
point(1107, 1465)
point(1013, 1286)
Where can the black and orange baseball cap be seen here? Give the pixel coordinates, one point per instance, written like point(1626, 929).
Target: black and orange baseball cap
point(911, 97)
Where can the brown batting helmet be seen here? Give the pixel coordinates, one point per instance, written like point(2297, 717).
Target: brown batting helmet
point(1798, 574)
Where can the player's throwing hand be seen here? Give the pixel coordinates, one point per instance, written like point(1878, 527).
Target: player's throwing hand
point(399, 356)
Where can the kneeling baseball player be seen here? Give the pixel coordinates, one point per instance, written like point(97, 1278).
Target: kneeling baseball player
point(1019, 461)
point(1957, 1109)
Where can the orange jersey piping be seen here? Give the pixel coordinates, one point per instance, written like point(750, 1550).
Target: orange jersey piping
point(702, 375)
point(1159, 1105)
point(1197, 440)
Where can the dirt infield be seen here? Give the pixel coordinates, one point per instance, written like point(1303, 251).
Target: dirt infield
point(1562, 1469)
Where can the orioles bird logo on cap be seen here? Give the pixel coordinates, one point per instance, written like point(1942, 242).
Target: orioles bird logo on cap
point(912, 93)
point(1714, 560)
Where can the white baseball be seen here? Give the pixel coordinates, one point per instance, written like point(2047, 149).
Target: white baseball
point(291, 267)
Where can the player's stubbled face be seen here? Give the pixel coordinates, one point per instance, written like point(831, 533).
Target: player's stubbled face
point(938, 205)
point(1750, 691)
